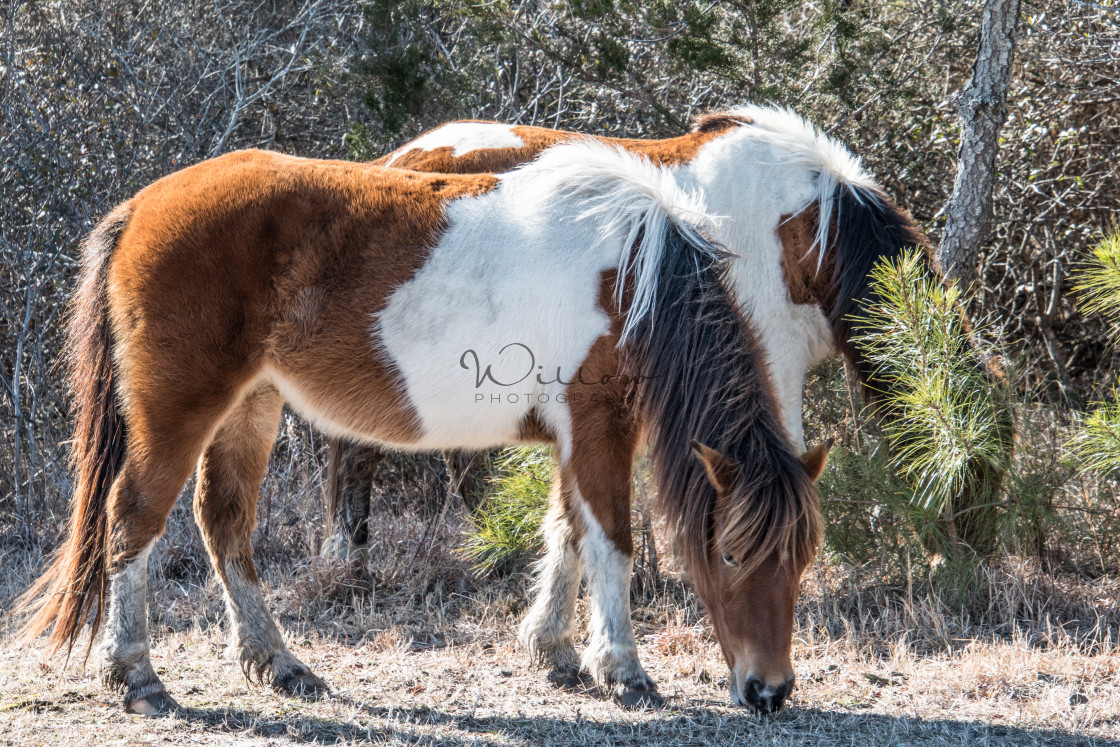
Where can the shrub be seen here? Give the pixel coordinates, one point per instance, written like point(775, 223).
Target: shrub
point(1096, 443)
point(948, 427)
point(506, 529)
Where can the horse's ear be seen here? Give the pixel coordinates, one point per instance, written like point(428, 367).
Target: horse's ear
point(720, 469)
point(815, 458)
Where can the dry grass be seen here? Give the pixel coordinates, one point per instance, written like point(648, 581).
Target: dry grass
point(418, 651)
point(389, 691)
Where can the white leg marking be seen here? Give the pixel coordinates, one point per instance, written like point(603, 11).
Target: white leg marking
point(612, 654)
point(548, 628)
point(125, 664)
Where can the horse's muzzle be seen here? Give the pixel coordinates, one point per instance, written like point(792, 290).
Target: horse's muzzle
point(765, 699)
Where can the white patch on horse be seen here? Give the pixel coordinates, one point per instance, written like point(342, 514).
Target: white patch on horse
point(499, 319)
point(787, 170)
point(549, 626)
point(611, 656)
point(463, 137)
point(801, 143)
point(793, 344)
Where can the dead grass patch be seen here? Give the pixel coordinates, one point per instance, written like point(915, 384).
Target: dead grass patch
point(436, 662)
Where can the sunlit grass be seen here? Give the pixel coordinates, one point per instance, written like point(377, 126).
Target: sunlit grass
point(505, 529)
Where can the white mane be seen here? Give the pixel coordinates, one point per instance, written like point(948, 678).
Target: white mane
point(624, 193)
point(805, 145)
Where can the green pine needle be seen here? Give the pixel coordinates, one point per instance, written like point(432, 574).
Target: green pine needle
point(506, 529)
point(1097, 282)
point(941, 415)
point(1096, 443)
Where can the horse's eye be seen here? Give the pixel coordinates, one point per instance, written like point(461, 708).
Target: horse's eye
point(730, 560)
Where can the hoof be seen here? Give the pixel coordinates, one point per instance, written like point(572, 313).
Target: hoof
point(636, 698)
point(302, 684)
point(156, 704)
point(570, 679)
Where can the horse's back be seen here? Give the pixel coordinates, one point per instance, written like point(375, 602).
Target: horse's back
point(474, 147)
point(259, 264)
point(251, 222)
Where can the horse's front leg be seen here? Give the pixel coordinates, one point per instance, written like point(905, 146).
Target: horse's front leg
point(346, 500)
point(607, 550)
point(548, 628)
point(597, 472)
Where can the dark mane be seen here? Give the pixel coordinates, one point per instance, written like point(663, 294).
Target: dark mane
point(699, 374)
point(718, 122)
point(869, 227)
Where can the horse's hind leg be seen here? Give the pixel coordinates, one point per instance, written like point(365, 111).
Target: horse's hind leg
point(126, 666)
point(548, 628)
point(347, 499)
point(225, 505)
point(164, 443)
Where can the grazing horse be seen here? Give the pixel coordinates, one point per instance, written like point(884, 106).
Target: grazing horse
point(804, 221)
point(572, 301)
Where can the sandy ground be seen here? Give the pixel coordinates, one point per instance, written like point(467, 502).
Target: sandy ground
point(482, 692)
point(421, 652)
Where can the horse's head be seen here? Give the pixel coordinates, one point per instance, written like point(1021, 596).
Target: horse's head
point(751, 600)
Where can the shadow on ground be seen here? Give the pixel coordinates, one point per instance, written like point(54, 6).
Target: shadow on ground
point(695, 726)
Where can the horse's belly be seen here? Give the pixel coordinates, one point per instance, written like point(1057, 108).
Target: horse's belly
point(497, 386)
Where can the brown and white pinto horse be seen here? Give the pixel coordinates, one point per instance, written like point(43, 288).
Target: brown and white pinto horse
point(803, 218)
point(805, 222)
point(573, 301)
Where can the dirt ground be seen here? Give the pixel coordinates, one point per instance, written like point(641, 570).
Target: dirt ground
point(479, 689)
point(418, 650)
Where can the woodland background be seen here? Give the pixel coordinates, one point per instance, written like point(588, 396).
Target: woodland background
point(99, 99)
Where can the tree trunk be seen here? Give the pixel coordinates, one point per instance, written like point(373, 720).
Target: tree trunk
point(983, 109)
point(972, 517)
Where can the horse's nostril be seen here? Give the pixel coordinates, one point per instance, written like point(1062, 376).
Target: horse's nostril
point(764, 698)
point(752, 693)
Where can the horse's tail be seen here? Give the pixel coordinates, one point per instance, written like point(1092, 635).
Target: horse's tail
point(73, 587)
